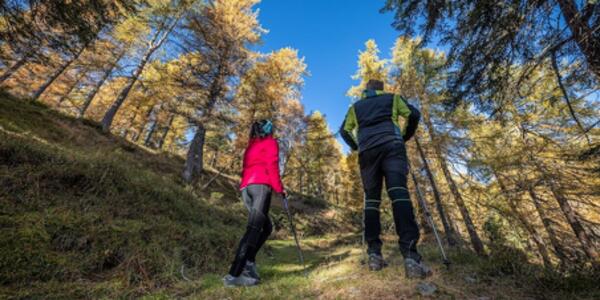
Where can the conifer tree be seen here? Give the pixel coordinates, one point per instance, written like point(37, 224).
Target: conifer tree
point(370, 66)
point(486, 39)
point(220, 33)
point(160, 18)
point(322, 154)
point(34, 30)
point(416, 73)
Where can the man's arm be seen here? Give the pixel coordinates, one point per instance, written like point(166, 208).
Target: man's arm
point(409, 113)
point(350, 123)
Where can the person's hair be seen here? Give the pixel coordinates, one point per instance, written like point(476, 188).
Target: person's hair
point(374, 84)
point(259, 129)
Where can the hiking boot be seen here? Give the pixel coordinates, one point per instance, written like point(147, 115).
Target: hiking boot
point(376, 262)
point(251, 271)
point(241, 280)
point(415, 269)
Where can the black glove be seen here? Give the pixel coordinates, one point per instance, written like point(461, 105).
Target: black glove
point(413, 122)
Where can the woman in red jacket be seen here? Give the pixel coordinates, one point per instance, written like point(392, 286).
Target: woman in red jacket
point(260, 177)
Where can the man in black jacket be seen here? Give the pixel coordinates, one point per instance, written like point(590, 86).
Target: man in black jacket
point(382, 155)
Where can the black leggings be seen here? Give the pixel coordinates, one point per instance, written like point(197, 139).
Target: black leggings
point(389, 162)
point(257, 198)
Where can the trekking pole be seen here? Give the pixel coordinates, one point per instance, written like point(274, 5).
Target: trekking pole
point(365, 259)
point(430, 220)
point(300, 255)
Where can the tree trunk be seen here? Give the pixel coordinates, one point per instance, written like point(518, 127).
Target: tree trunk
point(150, 133)
point(450, 234)
point(537, 239)
point(573, 220)
point(582, 34)
point(214, 160)
point(558, 250)
point(570, 215)
point(166, 130)
point(138, 133)
point(153, 127)
point(90, 96)
point(437, 148)
point(38, 93)
point(72, 86)
point(475, 239)
point(13, 69)
point(143, 123)
point(301, 177)
point(127, 128)
point(114, 108)
point(425, 226)
point(194, 162)
point(153, 46)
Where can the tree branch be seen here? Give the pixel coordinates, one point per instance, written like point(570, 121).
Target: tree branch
point(566, 97)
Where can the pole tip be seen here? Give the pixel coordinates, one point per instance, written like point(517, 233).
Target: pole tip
point(447, 263)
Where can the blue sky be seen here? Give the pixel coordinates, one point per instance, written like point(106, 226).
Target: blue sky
point(328, 34)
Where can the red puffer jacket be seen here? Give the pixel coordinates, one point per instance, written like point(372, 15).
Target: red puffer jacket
point(261, 164)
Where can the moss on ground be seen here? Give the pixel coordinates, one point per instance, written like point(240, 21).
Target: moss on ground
point(83, 214)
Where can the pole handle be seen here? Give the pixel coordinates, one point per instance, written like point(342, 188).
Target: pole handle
point(285, 203)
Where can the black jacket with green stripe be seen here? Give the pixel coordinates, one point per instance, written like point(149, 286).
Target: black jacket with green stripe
point(375, 118)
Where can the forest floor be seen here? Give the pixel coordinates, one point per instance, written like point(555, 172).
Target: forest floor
point(84, 215)
point(335, 271)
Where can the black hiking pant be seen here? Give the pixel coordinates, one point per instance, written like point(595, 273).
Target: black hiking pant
point(388, 161)
point(257, 198)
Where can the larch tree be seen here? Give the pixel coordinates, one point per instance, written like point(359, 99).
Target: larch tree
point(160, 18)
point(108, 69)
point(321, 157)
point(220, 32)
point(33, 30)
point(370, 66)
point(418, 73)
point(354, 195)
point(526, 150)
point(485, 37)
point(125, 42)
point(266, 90)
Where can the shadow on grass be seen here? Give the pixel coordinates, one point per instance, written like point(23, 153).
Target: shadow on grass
point(287, 263)
point(280, 268)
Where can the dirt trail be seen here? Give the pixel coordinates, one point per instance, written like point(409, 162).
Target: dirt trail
point(335, 272)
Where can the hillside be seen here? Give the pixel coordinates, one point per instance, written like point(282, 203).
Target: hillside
point(86, 215)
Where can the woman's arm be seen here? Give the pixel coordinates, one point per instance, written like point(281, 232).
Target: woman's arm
point(273, 167)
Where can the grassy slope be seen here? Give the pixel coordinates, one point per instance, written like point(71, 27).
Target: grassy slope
point(85, 215)
point(335, 272)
